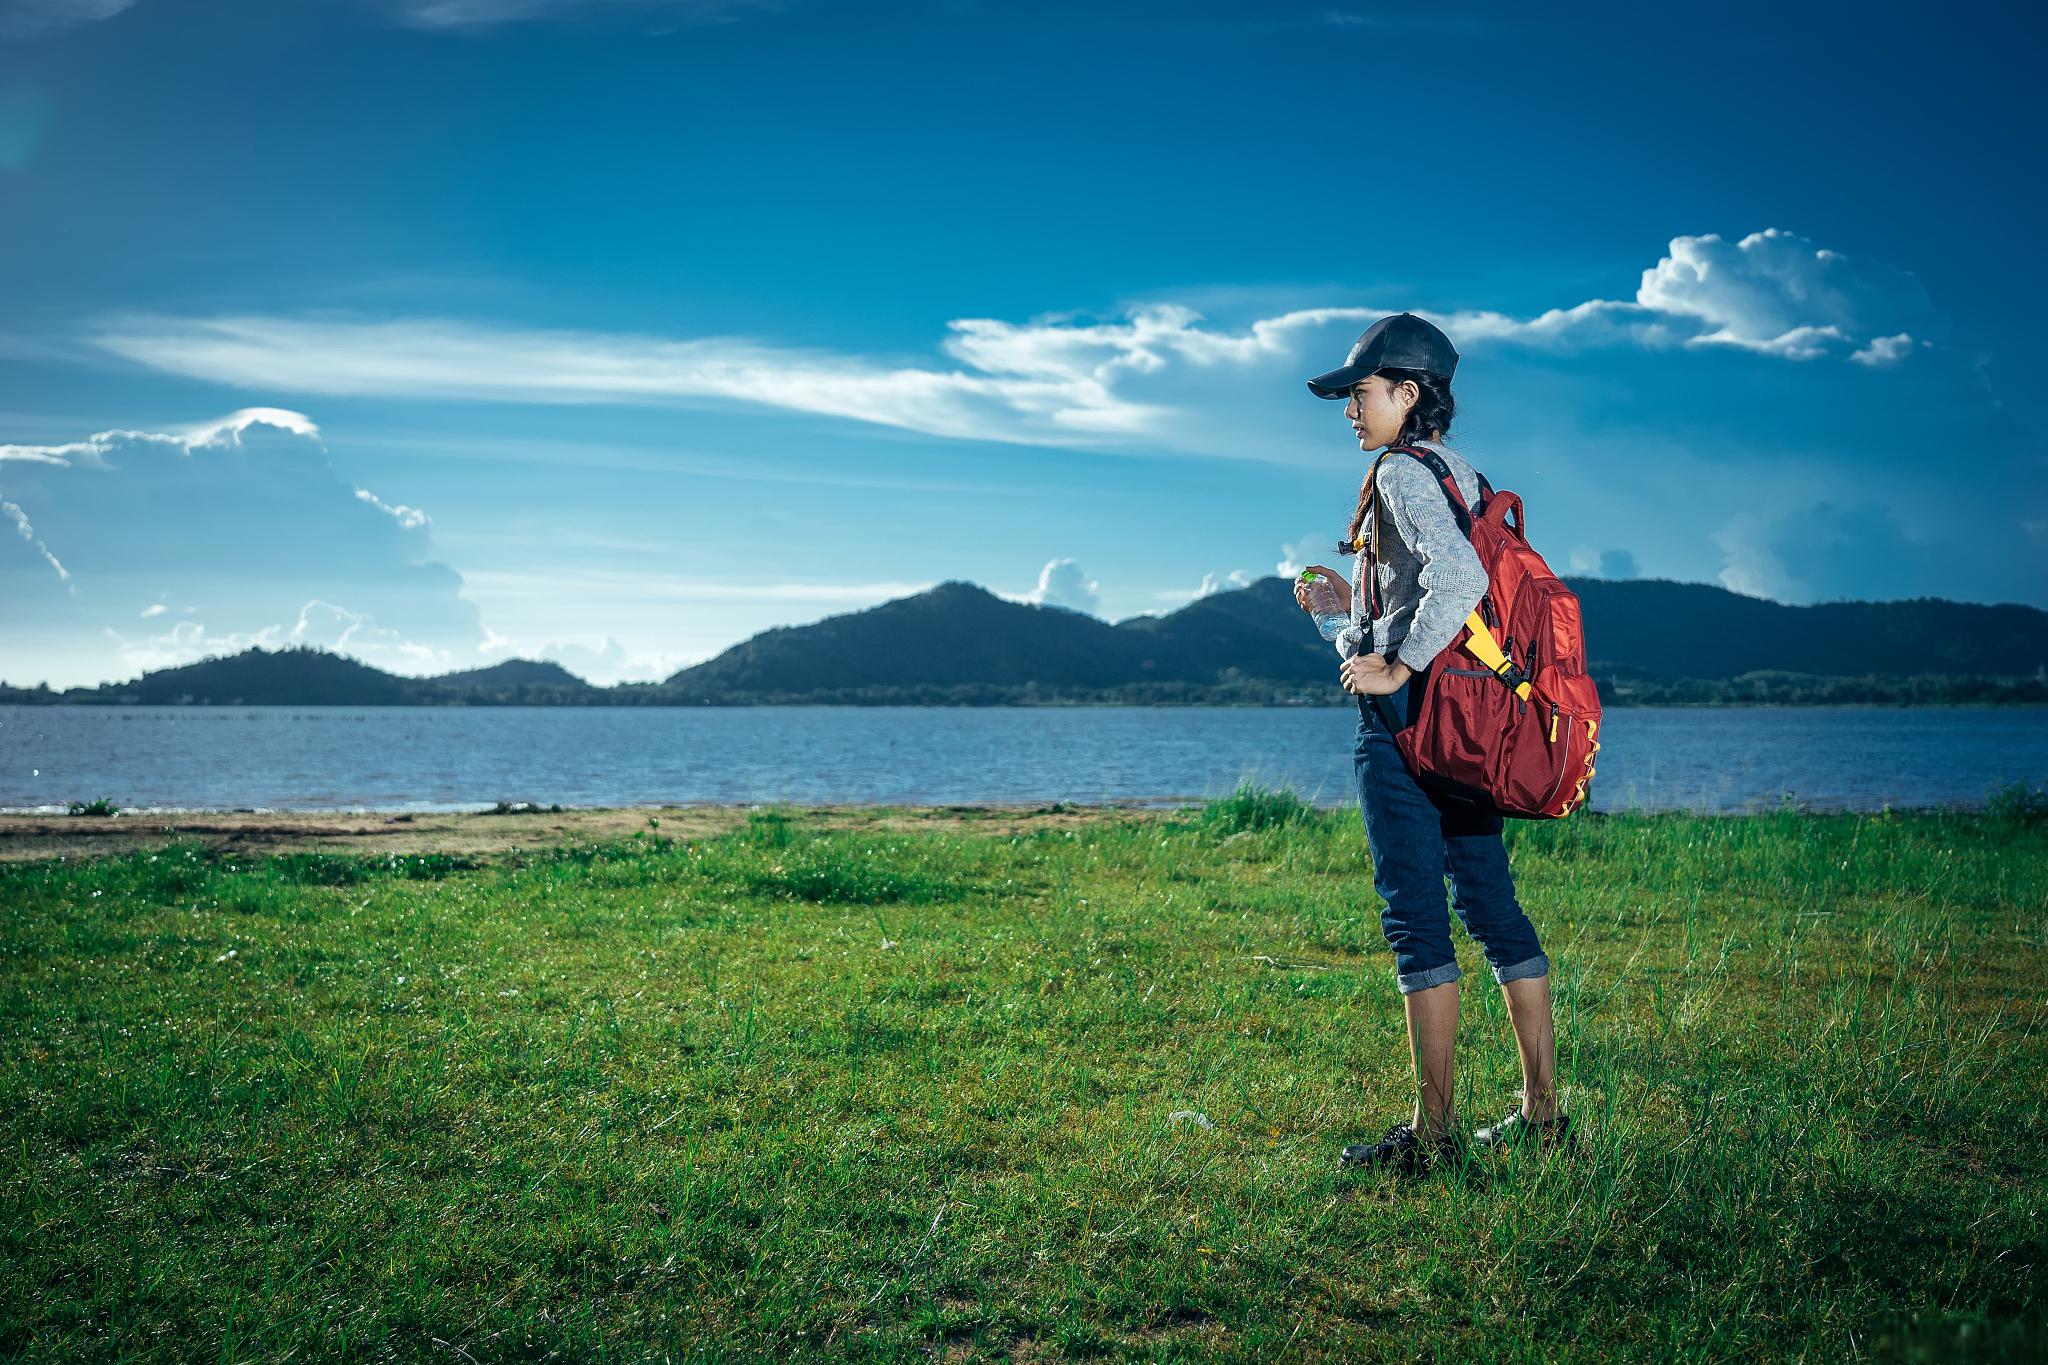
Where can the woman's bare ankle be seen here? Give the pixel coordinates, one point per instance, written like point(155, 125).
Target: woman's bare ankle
point(1434, 1127)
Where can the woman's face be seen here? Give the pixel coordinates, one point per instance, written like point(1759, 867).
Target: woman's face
point(1377, 409)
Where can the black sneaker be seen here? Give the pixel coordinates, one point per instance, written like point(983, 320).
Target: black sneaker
point(1519, 1130)
point(1401, 1151)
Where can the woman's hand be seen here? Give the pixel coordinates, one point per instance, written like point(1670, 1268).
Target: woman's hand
point(1371, 675)
point(1334, 579)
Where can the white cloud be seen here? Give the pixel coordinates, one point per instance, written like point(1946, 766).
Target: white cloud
point(1311, 548)
point(605, 664)
point(1594, 563)
point(219, 433)
point(1155, 376)
point(1411, 24)
point(244, 516)
point(1885, 350)
point(1830, 549)
point(28, 533)
point(445, 359)
point(1772, 293)
point(623, 585)
point(25, 18)
point(660, 621)
point(408, 517)
point(486, 14)
point(1062, 583)
point(1776, 293)
point(1054, 380)
point(331, 627)
point(1211, 584)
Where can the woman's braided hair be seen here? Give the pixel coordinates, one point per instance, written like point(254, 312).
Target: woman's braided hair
point(1429, 418)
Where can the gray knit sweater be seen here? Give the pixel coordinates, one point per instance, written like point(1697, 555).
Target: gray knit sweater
point(1429, 575)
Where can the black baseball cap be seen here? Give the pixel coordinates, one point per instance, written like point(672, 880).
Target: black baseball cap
point(1402, 341)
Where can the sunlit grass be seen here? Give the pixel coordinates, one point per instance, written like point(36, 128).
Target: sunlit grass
point(901, 1094)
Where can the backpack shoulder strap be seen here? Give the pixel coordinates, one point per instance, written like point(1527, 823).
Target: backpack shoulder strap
point(1485, 614)
point(1449, 483)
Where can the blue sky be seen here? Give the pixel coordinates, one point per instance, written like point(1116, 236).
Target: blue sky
point(615, 331)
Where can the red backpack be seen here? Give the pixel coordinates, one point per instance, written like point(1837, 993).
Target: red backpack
point(1507, 708)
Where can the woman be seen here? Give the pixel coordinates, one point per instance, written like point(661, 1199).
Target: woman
point(1397, 383)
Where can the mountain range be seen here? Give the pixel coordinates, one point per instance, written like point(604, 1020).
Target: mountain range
point(1650, 640)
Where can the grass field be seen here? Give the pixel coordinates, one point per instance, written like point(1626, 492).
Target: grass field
point(881, 1093)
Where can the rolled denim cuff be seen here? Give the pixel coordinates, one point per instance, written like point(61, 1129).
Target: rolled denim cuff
point(1411, 982)
point(1538, 965)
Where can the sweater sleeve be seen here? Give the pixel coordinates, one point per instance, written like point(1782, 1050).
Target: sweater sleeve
point(1452, 578)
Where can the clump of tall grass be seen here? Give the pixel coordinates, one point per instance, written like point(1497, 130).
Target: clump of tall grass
point(1252, 806)
point(2019, 803)
point(782, 855)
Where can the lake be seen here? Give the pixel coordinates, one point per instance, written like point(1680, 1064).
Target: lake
point(442, 758)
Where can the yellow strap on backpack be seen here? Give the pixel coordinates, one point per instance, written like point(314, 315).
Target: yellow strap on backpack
point(1483, 648)
point(1482, 643)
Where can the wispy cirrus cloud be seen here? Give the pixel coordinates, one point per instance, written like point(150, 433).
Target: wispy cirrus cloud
point(488, 14)
point(410, 518)
point(32, 18)
point(28, 533)
point(245, 519)
point(645, 588)
point(461, 360)
point(1410, 22)
point(92, 452)
point(29, 18)
point(1156, 374)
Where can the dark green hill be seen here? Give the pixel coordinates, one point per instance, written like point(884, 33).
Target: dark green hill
point(512, 674)
point(954, 634)
point(1649, 640)
point(958, 635)
point(1256, 630)
point(1694, 630)
point(297, 676)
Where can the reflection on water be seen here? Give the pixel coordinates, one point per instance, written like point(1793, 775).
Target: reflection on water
point(416, 758)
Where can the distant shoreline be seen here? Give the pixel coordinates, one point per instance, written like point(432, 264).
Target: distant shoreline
point(483, 833)
point(410, 833)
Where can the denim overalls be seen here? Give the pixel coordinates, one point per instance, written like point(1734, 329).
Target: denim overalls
point(1417, 836)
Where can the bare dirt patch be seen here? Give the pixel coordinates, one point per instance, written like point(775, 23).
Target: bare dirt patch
point(484, 833)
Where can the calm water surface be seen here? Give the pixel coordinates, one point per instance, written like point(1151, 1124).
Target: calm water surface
point(427, 758)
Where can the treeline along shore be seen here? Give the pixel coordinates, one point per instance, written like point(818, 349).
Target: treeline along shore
point(1651, 642)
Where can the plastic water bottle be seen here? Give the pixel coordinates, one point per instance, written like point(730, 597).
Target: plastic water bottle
point(1325, 605)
